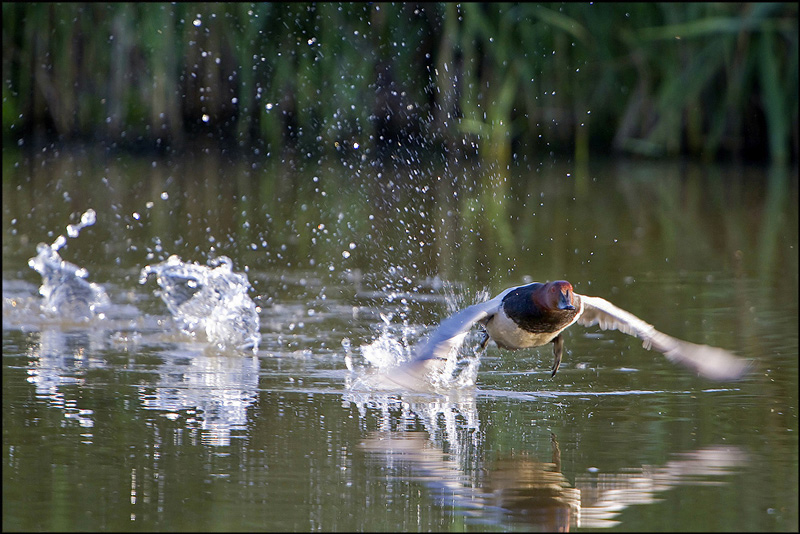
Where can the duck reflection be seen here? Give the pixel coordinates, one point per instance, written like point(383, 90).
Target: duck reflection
point(518, 488)
point(605, 495)
point(521, 488)
point(532, 491)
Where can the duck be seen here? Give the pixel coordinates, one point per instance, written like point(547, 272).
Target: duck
point(535, 314)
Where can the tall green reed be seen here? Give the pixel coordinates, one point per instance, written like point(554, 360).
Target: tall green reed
point(708, 80)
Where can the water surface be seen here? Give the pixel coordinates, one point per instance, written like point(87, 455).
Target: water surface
point(125, 422)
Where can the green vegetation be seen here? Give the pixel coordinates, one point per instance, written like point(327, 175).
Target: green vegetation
point(709, 80)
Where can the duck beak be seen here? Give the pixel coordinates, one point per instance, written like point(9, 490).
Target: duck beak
point(565, 301)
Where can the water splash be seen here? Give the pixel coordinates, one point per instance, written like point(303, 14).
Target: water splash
point(390, 348)
point(67, 294)
point(206, 302)
point(387, 357)
point(88, 218)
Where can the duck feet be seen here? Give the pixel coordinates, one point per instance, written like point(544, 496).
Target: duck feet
point(558, 348)
point(484, 338)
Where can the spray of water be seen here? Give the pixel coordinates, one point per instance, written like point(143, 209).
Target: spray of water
point(67, 294)
point(208, 303)
point(392, 348)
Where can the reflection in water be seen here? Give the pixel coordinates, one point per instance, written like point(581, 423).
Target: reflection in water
point(213, 389)
point(73, 328)
point(216, 385)
point(213, 302)
point(655, 230)
point(437, 440)
point(605, 495)
point(531, 492)
point(62, 359)
point(210, 303)
point(517, 488)
point(522, 489)
point(446, 418)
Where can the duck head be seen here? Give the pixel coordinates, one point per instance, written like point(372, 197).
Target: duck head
point(556, 295)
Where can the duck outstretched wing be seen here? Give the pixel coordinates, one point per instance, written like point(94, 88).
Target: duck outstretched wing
point(451, 332)
point(430, 355)
point(709, 362)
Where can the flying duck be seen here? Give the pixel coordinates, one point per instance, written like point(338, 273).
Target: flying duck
point(535, 314)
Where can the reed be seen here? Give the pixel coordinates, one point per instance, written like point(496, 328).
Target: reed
point(709, 80)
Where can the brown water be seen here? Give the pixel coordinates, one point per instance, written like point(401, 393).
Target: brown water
point(123, 423)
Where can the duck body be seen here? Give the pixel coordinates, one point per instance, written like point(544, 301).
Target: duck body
point(532, 315)
point(536, 314)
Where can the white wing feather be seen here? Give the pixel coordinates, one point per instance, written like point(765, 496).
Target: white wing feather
point(451, 332)
point(431, 354)
point(710, 362)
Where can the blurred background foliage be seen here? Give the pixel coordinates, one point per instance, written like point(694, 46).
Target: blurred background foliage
point(708, 80)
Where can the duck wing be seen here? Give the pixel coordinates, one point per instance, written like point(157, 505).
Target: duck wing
point(709, 362)
point(451, 332)
point(431, 354)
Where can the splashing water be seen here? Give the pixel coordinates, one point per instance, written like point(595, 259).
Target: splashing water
point(390, 351)
point(67, 295)
point(210, 302)
point(88, 218)
point(461, 368)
